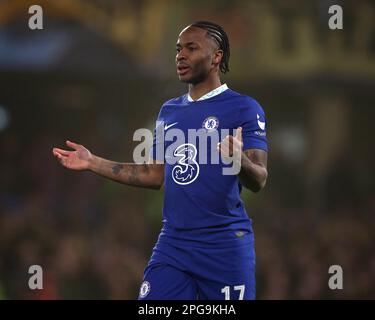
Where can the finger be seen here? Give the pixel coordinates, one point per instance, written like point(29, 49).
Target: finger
point(61, 151)
point(226, 143)
point(233, 144)
point(60, 158)
point(239, 133)
point(57, 154)
point(226, 147)
point(237, 143)
point(221, 146)
point(71, 144)
point(227, 139)
point(230, 139)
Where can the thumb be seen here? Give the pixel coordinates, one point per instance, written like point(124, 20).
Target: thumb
point(72, 145)
point(239, 133)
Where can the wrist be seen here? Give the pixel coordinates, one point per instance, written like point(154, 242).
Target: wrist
point(243, 159)
point(245, 162)
point(93, 162)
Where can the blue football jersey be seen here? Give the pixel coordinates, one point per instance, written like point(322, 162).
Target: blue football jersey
point(200, 200)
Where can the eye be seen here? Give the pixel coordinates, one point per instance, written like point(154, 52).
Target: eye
point(178, 49)
point(192, 48)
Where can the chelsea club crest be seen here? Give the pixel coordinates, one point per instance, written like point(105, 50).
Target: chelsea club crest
point(210, 123)
point(145, 289)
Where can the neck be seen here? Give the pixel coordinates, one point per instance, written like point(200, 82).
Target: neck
point(200, 89)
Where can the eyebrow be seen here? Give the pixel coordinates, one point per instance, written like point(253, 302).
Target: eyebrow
point(186, 44)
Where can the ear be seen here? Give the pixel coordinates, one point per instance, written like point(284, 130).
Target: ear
point(218, 55)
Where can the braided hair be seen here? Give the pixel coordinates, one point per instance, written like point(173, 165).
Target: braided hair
point(218, 34)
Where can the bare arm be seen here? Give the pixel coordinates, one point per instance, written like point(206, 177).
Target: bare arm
point(149, 175)
point(253, 174)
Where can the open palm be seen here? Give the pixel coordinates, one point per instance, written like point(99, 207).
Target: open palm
point(79, 159)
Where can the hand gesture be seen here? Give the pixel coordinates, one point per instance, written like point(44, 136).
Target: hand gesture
point(79, 159)
point(231, 146)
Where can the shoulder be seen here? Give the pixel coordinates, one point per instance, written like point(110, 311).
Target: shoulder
point(175, 101)
point(246, 103)
point(170, 105)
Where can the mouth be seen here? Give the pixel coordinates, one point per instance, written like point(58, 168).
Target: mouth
point(182, 69)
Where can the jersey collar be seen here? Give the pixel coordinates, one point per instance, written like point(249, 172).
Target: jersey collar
point(210, 94)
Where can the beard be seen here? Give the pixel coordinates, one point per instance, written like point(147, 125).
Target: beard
point(198, 75)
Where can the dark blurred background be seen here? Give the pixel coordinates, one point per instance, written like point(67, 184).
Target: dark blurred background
point(100, 69)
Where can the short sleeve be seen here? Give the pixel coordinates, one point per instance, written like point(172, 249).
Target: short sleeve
point(253, 123)
point(157, 149)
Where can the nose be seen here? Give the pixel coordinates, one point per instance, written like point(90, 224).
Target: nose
point(181, 55)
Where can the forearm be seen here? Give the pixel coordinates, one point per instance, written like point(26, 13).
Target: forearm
point(139, 175)
point(252, 175)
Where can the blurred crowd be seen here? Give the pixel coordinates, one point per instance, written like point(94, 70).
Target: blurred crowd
point(88, 243)
point(295, 252)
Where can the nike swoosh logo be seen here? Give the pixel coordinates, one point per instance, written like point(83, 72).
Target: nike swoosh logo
point(166, 127)
point(261, 124)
